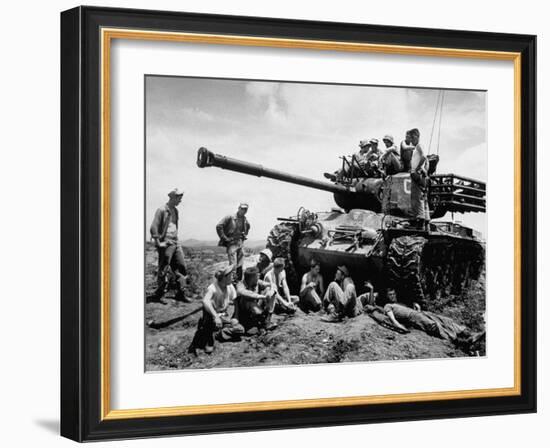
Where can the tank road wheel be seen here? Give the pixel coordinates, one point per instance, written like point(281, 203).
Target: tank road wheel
point(282, 243)
point(404, 268)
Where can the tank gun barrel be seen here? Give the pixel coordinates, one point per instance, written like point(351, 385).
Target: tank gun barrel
point(206, 158)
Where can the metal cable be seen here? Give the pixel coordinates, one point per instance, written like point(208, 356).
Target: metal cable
point(440, 119)
point(433, 123)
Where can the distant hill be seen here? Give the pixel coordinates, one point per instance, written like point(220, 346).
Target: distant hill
point(192, 242)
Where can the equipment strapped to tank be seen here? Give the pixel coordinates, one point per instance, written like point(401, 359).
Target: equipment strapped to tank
point(456, 194)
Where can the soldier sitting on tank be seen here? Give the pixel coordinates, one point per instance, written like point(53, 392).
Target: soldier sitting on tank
point(341, 297)
point(419, 182)
point(443, 327)
point(233, 230)
point(312, 288)
point(372, 160)
point(276, 277)
point(215, 322)
point(390, 160)
point(356, 164)
point(255, 301)
point(264, 264)
point(361, 155)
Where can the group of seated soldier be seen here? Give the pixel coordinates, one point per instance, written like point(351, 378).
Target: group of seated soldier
point(264, 291)
point(373, 161)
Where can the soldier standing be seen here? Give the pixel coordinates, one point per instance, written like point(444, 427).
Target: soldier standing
point(164, 232)
point(419, 181)
point(233, 230)
point(406, 151)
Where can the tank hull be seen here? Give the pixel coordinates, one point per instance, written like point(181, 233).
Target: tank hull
point(420, 264)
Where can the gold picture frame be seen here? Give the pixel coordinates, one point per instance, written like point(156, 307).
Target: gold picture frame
point(120, 27)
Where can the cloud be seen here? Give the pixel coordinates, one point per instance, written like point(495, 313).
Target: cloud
point(293, 127)
point(267, 97)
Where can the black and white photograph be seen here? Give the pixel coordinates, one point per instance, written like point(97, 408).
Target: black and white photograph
point(297, 223)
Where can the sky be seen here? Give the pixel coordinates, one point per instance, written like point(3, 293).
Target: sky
point(299, 128)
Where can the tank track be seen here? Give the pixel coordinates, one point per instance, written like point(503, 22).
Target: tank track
point(420, 269)
point(282, 242)
point(404, 268)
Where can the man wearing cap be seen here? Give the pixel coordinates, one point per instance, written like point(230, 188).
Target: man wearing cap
point(233, 230)
point(255, 301)
point(390, 160)
point(364, 147)
point(276, 277)
point(341, 297)
point(372, 159)
point(164, 233)
point(360, 159)
point(419, 181)
point(264, 264)
point(312, 288)
point(215, 322)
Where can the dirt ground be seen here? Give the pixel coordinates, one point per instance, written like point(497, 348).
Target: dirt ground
point(299, 339)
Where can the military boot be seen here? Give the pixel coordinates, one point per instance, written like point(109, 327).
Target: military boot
point(269, 324)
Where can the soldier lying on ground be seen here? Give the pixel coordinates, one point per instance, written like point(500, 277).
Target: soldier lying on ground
point(312, 288)
point(436, 325)
point(215, 322)
point(255, 301)
point(369, 296)
point(341, 298)
point(284, 302)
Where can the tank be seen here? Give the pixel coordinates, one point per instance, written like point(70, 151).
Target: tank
point(371, 231)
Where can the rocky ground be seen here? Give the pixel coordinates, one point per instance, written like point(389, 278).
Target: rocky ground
point(299, 339)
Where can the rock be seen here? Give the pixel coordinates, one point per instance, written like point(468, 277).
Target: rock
point(161, 348)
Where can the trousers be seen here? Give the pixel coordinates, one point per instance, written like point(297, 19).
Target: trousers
point(419, 202)
point(170, 256)
point(310, 300)
point(207, 331)
point(253, 313)
point(344, 305)
point(235, 256)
